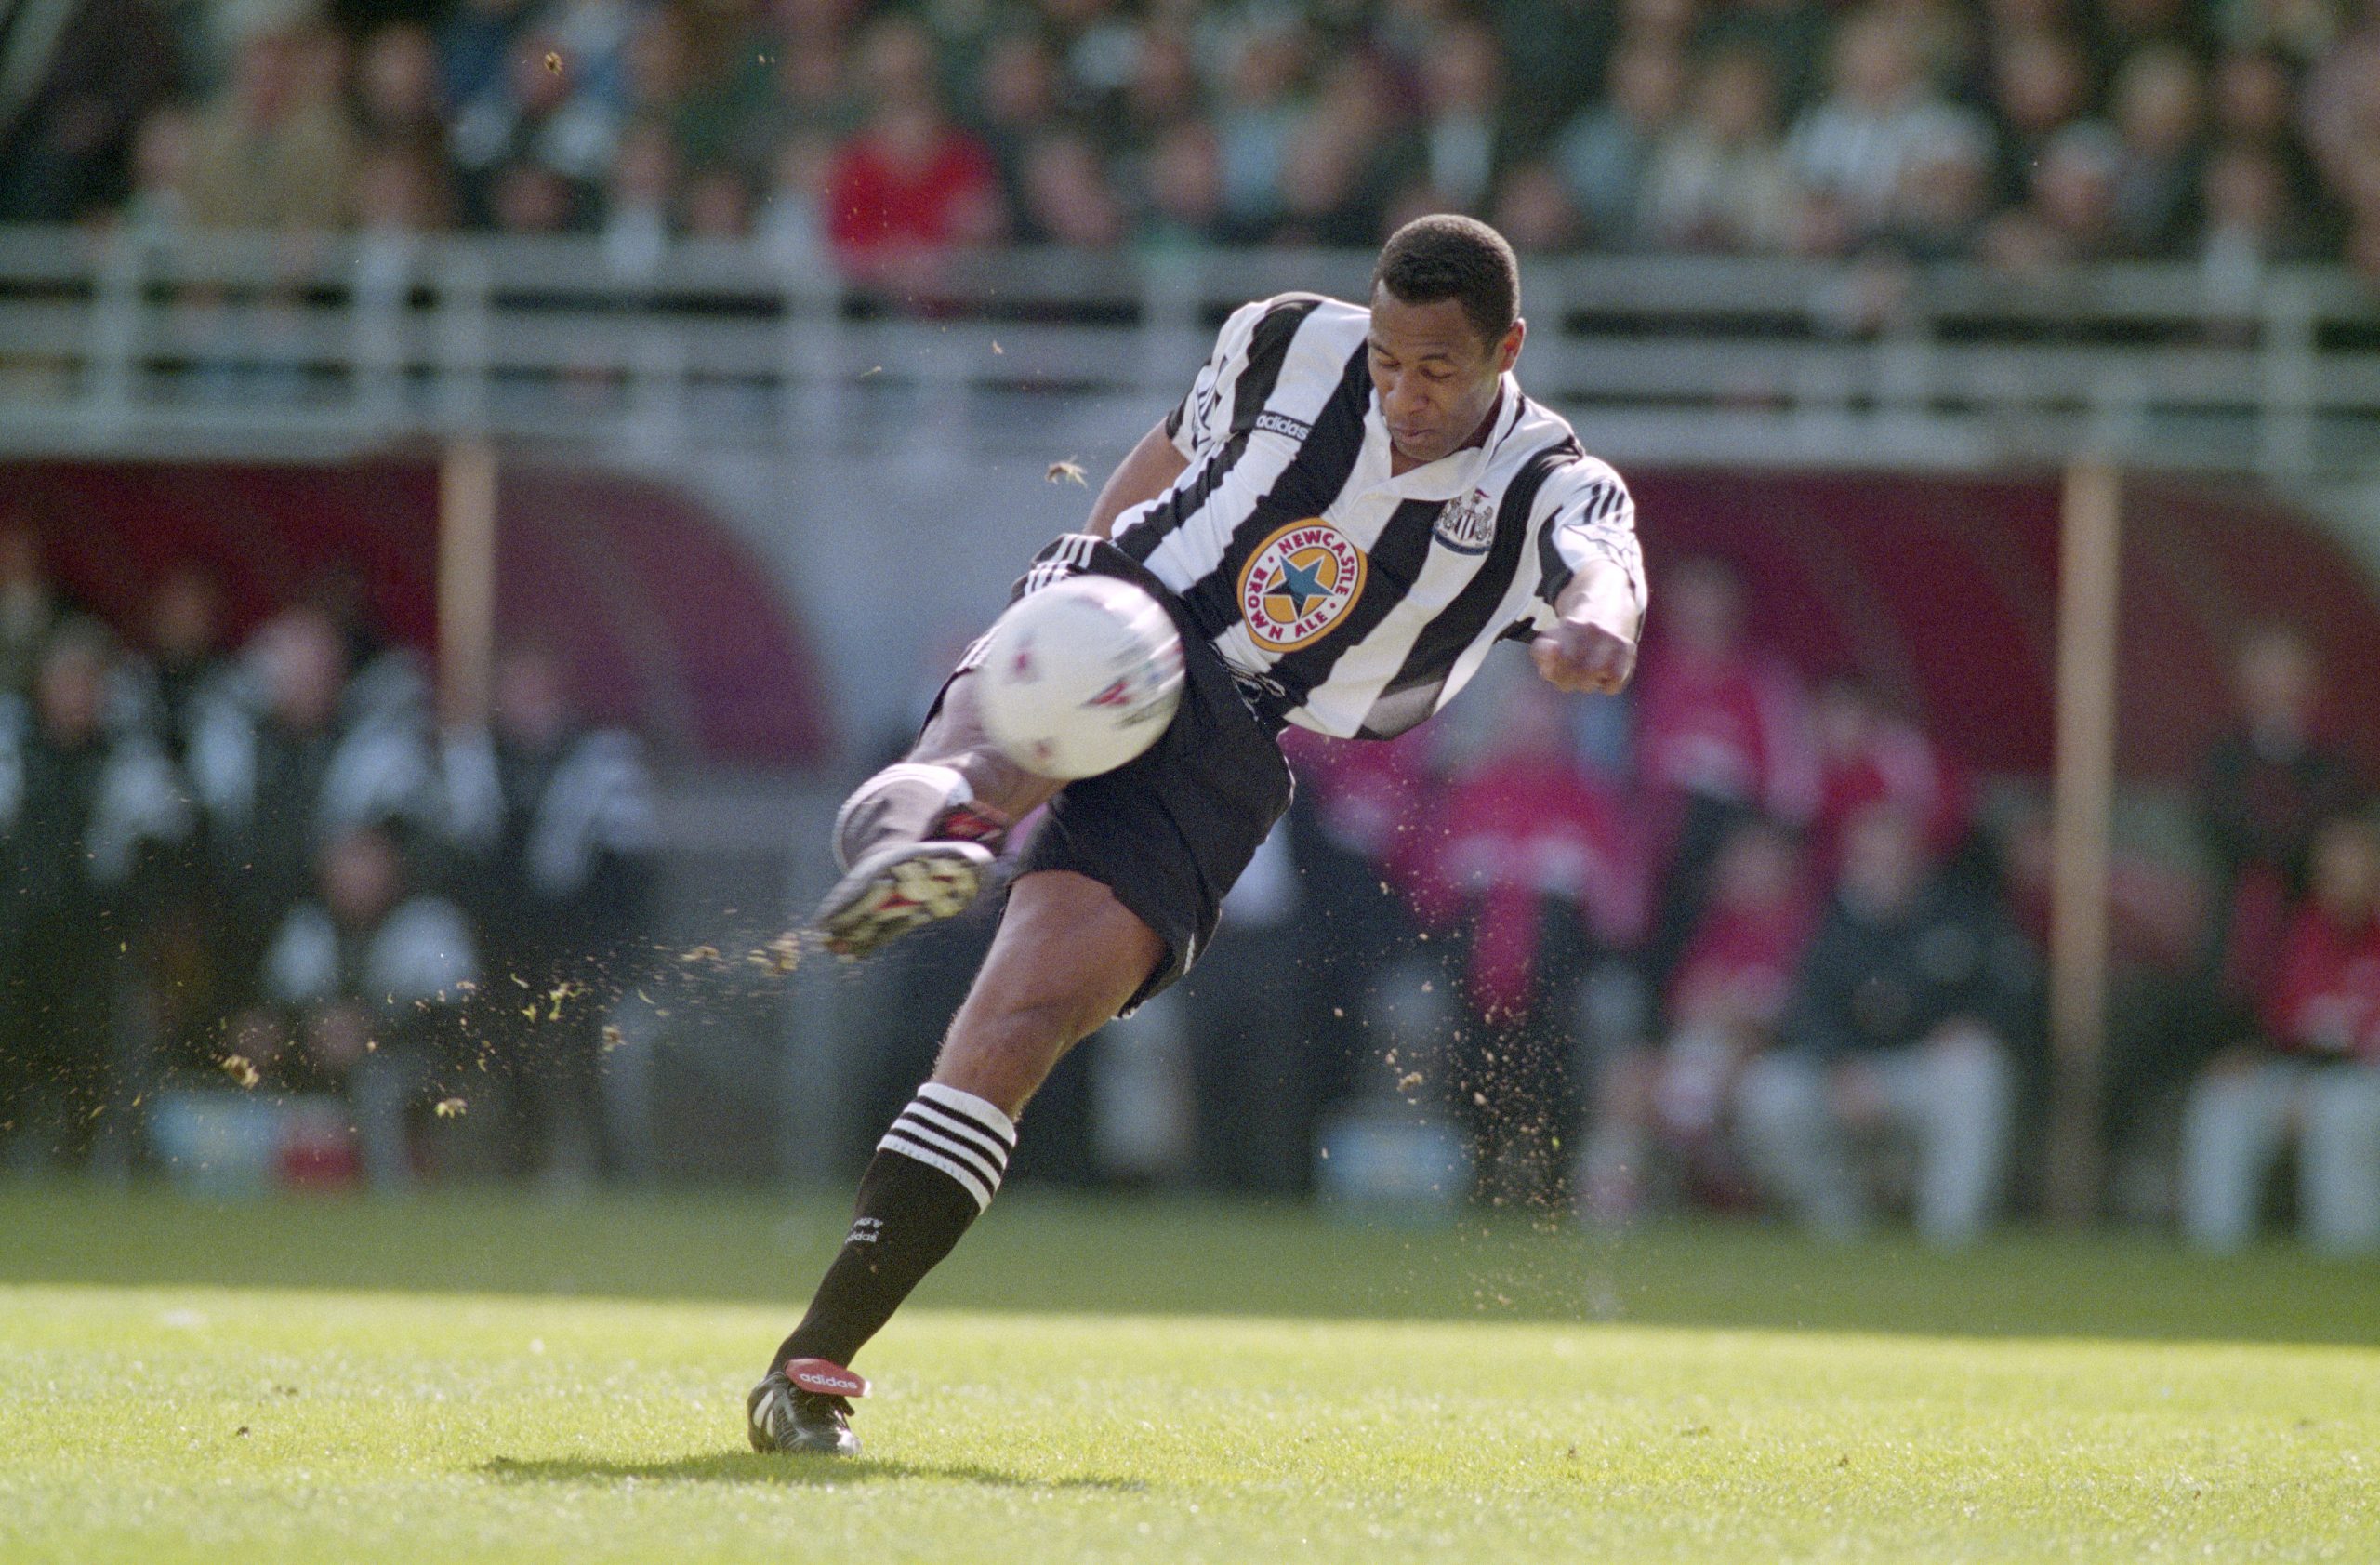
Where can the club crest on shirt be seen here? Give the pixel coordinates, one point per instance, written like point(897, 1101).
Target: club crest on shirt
point(1300, 583)
point(1467, 525)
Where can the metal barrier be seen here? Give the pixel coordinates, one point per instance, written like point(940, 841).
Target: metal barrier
point(141, 341)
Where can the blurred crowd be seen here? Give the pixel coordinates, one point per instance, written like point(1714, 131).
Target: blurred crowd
point(2024, 133)
point(1753, 941)
point(265, 911)
point(1747, 939)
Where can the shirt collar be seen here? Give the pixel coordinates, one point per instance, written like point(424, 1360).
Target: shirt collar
point(1452, 475)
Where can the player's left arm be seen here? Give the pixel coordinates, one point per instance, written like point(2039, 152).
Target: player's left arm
point(1599, 607)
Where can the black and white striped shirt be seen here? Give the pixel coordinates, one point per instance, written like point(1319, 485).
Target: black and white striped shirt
point(1346, 600)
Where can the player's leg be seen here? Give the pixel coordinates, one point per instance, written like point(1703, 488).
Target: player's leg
point(916, 842)
point(1119, 890)
point(1068, 958)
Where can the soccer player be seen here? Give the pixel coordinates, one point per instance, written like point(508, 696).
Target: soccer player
point(1350, 508)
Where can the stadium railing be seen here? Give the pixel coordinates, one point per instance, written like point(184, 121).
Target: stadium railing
point(208, 342)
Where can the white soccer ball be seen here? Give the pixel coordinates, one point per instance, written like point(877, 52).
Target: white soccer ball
point(1079, 677)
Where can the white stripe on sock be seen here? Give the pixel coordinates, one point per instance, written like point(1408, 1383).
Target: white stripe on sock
point(895, 1140)
point(920, 1130)
point(959, 1128)
point(984, 1113)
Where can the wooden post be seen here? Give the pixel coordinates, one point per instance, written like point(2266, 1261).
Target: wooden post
point(466, 582)
point(2081, 803)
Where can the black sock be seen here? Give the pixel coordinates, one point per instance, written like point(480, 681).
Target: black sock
point(933, 1173)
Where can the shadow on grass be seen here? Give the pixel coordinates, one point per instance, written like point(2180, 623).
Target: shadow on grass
point(738, 1466)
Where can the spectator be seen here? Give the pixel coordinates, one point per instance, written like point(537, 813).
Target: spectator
point(1716, 178)
point(2069, 218)
point(553, 821)
point(1332, 176)
point(2040, 83)
point(793, 217)
point(2159, 107)
point(1850, 154)
point(2122, 27)
point(277, 153)
point(2250, 101)
point(161, 162)
point(1164, 90)
point(2250, 222)
point(719, 115)
point(1067, 200)
point(2311, 1074)
point(475, 48)
point(1533, 211)
point(1944, 194)
point(1258, 1077)
point(2339, 110)
point(1184, 195)
point(638, 203)
point(910, 186)
point(1723, 1006)
point(85, 818)
point(31, 605)
point(396, 100)
point(1723, 735)
point(400, 195)
point(550, 109)
point(361, 988)
point(1868, 756)
point(278, 780)
point(1460, 148)
point(185, 674)
point(1904, 1020)
point(1017, 92)
point(1606, 154)
point(1543, 866)
point(1554, 52)
point(385, 678)
point(81, 78)
point(2264, 793)
point(1255, 124)
point(2157, 927)
point(718, 206)
point(1788, 36)
point(528, 198)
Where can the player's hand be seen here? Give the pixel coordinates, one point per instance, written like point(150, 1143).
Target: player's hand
point(1579, 655)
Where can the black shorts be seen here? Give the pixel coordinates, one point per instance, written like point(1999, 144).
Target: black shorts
point(1170, 832)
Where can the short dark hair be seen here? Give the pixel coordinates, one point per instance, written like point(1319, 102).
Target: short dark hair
point(1447, 256)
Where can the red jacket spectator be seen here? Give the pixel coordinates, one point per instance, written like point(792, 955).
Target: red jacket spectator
point(906, 189)
point(1526, 828)
point(1716, 719)
point(2325, 998)
point(1731, 727)
point(1374, 800)
point(1869, 757)
point(1738, 968)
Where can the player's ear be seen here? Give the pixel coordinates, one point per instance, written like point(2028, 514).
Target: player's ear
point(1508, 352)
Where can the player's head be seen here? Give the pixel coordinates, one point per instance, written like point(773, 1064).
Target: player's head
point(1446, 325)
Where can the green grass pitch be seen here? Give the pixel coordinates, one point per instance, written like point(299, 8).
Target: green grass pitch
point(473, 1376)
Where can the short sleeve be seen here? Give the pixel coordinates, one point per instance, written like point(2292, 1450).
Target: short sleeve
point(1592, 521)
point(1203, 416)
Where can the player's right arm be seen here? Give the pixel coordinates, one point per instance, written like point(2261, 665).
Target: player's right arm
point(1149, 471)
point(1202, 419)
